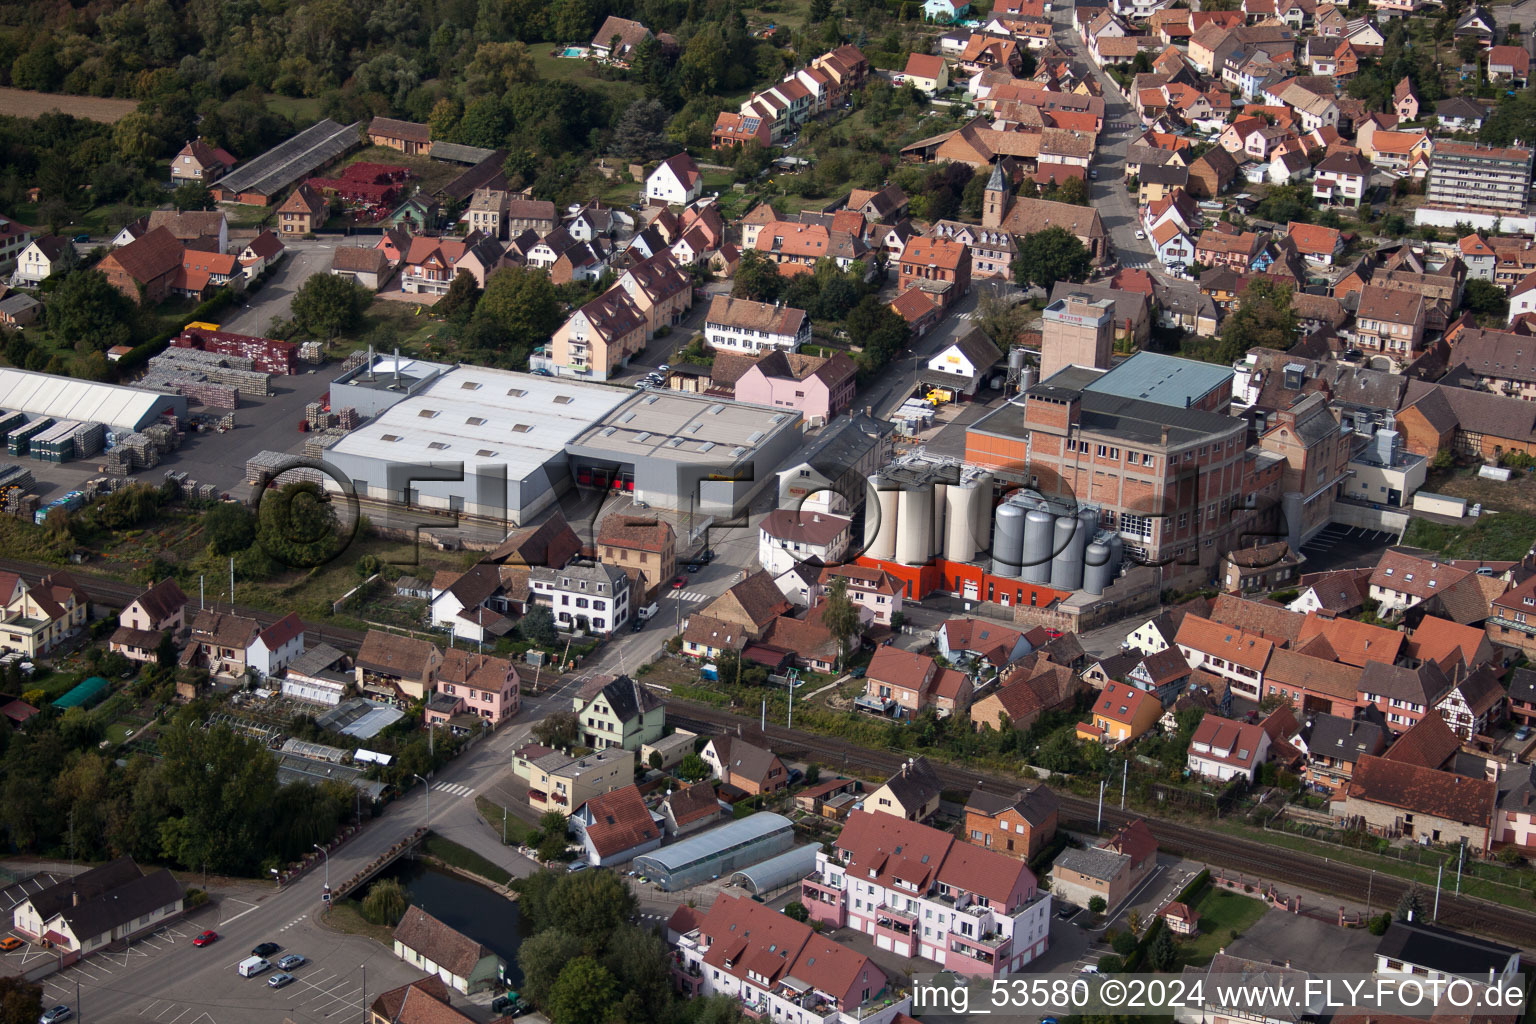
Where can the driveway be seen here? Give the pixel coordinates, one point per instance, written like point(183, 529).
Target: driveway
point(305, 258)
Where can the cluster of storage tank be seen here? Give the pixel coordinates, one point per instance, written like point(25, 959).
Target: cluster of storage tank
point(1065, 552)
point(920, 521)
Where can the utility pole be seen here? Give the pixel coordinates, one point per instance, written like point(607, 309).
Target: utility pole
point(427, 788)
point(364, 995)
point(1369, 886)
point(790, 723)
point(1438, 876)
point(231, 584)
point(1100, 826)
point(762, 721)
point(1460, 859)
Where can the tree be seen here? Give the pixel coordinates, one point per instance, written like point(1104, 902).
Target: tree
point(542, 957)
point(1097, 905)
point(458, 303)
point(585, 992)
point(524, 304)
point(820, 10)
point(1073, 191)
point(297, 525)
point(538, 625)
point(21, 1002)
point(1001, 320)
point(385, 903)
point(193, 195)
point(1411, 905)
point(557, 729)
point(797, 911)
point(812, 773)
point(1162, 953)
point(641, 133)
point(693, 768)
point(553, 846)
point(1484, 298)
point(1123, 943)
point(1050, 255)
point(553, 823)
point(655, 760)
point(879, 329)
point(975, 193)
point(230, 528)
point(327, 305)
point(841, 616)
point(86, 308)
point(757, 278)
point(1264, 319)
point(590, 905)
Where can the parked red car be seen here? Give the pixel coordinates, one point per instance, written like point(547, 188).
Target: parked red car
point(206, 938)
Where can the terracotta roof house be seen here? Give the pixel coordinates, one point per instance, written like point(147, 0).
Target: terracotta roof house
point(144, 269)
point(1451, 645)
point(198, 161)
point(397, 667)
point(691, 808)
point(1221, 749)
point(429, 945)
point(911, 794)
point(1429, 743)
point(617, 38)
point(1401, 799)
point(419, 1002)
point(1017, 826)
point(616, 827)
point(747, 767)
point(408, 137)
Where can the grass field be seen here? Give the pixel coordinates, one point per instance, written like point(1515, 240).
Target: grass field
point(26, 103)
point(454, 855)
point(1222, 912)
point(1493, 535)
point(579, 71)
point(347, 917)
point(302, 110)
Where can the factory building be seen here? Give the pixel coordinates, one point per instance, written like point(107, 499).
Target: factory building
point(684, 452)
point(122, 410)
point(833, 470)
point(381, 381)
point(507, 431)
point(1172, 482)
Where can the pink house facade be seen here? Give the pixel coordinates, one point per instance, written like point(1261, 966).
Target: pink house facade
point(818, 388)
point(920, 892)
point(474, 684)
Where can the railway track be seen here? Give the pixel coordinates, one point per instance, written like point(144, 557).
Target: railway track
point(1252, 857)
point(108, 591)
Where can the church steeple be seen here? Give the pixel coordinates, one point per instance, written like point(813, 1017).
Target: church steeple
point(994, 204)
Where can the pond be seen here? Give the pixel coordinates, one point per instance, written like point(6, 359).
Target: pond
point(479, 912)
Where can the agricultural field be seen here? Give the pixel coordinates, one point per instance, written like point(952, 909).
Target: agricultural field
point(26, 103)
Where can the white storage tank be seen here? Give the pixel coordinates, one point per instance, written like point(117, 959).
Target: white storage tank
point(960, 537)
point(1008, 540)
point(1066, 563)
point(880, 521)
point(914, 529)
point(1039, 538)
point(981, 512)
point(940, 516)
point(1097, 574)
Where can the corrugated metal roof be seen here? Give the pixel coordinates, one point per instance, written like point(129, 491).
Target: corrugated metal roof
point(774, 872)
point(64, 398)
point(706, 844)
point(287, 162)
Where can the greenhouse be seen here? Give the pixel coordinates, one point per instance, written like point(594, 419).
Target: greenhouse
point(718, 852)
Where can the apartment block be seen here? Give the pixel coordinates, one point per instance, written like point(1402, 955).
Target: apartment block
point(1479, 179)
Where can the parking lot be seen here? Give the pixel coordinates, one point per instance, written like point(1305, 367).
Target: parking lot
point(1336, 546)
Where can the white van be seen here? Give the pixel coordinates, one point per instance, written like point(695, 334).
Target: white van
point(252, 966)
point(649, 611)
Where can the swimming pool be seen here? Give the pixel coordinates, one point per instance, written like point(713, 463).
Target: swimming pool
point(573, 51)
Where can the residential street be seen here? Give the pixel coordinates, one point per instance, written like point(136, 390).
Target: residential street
point(304, 259)
point(1121, 125)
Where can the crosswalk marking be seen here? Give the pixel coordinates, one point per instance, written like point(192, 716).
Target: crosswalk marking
point(973, 315)
point(452, 787)
point(691, 595)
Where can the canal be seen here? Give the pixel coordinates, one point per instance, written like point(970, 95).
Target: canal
point(468, 907)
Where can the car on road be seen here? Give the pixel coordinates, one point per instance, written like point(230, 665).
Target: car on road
point(1523, 733)
point(56, 1015)
point(1141, 235)
point(266, 949)
point(291, 961)
point(677, 584)
point(1094, 173)
point(541, 372)
point(858, 673)
point(637, 625)
point(9, 943)
point(1090, 969)
point(279, 980)
point(664, 368)
point(577, 865)
point(693, 567)
point(206, 938)
point(82, 238)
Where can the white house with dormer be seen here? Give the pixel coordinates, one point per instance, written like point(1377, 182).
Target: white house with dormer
point(676, 181)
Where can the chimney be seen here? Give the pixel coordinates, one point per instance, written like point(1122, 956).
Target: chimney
point(74, 897)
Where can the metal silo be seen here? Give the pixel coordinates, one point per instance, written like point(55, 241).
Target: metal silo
point(1026, 378)
point(1066, 563)
point(940, 517)
point(914, 529)
point(1088, 518)
point(1008, 540)
point(981, 512)
point(1097, 574)
point(1116, 554)
point(880, 522)
point(1016, 358)
point(1038, 537)
point(960, 537)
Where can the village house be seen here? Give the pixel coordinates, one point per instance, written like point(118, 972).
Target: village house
point(616, 827)
point(398, 669)
point(751, 769)
point(1111, 870)
point(1018, 826)
point(911, 794)
point(432, 947)
point(200, 163)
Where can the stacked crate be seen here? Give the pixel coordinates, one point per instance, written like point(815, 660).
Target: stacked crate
point(348, 419)
point(9, 421)
point(56, 444)
point(312, 352)
point(263, 466)
point(90, 438)
point(19, 441)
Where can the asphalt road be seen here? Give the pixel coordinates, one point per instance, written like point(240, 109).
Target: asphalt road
point(305, 258)
point(1108, 192)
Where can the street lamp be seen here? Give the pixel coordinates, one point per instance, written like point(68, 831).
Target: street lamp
point(278, 878)
point(364, 997)
point(427, 787)
point(326, 854)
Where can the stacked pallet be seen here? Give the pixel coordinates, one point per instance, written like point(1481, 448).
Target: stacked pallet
point(19, 503)
point(263, 466)
point(312, 352)
point(90, 438)
point(348, 419)
point(356, 359)
point(316, 444)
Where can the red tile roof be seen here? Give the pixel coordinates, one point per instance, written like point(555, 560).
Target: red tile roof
point(1410, 787)
point(619, 822)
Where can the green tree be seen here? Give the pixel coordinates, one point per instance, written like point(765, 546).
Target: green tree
point(385, 903)
point(640, 963)
point(230, 527)
point(542, 957)
point(585, 992)
point(1123, 943)
point(841, 616)
point(693, 768)
point(86, 309)
point(1411, 905)
point(558, 729)
point(327, 305)
point(1162, 953)
point(193, 195)
point(1097, 905)
point(1264, 319)
point(1050, 255)
point(1485, 298)
point(538, 625)
point(797, 911)
point(553, 823)
point(21, 1002)
point(522, 303)
point(297, 525)
point(458, 303)
point(879, 329)
point(1074, 191)
point(756, 278)
point(655, 760)
point(219, 786)
point(590, 905)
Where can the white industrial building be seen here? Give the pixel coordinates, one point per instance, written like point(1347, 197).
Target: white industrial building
point(508, 432)
point(383, 380)
point(122, 410)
